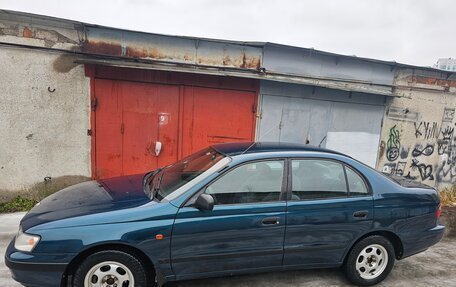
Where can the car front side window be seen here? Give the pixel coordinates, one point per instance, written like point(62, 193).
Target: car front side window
point(317, 179)
point(249, 183)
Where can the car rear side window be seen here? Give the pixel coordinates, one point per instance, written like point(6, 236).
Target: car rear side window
point(356, 184)
point(317, 179)
point(249, 183)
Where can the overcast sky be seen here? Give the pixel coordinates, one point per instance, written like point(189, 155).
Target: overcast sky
point(409, 31)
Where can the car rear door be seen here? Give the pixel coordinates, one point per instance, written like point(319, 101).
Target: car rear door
point(244, 231)
point(331, 205)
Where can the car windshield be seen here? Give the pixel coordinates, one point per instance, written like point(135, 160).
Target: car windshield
point(169, 179)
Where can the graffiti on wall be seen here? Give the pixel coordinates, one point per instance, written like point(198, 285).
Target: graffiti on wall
point(400, 168)
point(393, 145)
point(426, 130)
point(446, 168)
point(426, 151)
point(425, 170)
point(431, 157)
point(448, 115)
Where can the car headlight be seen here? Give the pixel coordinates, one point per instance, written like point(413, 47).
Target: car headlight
point(26, 242)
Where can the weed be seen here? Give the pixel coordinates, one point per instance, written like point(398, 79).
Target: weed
point(448, 196)
point(19, 203)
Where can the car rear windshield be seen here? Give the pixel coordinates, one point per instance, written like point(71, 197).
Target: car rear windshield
point(178, 174)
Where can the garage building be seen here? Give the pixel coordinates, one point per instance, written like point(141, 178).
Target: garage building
point(81, 99)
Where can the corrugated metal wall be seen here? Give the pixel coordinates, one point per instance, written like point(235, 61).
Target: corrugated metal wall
point(297, 113)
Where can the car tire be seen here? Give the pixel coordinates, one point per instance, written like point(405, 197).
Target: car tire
point(113, 267)
point(370, 261)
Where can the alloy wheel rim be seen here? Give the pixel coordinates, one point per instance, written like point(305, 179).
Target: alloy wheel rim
point(109, 274)
point(372, 261)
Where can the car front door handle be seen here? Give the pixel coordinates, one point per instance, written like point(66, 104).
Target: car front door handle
point(271, 221)
point(361, 214)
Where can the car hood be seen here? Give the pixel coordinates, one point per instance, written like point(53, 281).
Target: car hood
point(89, 197)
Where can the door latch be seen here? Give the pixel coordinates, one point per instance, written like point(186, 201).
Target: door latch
point(158, 147)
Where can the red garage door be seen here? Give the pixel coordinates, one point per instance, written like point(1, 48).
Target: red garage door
point(216, 116)
point(141, 126)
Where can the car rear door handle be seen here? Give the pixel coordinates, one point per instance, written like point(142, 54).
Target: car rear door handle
point(271, 221)
point(361, 214)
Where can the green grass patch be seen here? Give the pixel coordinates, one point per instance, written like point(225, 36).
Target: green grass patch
point(17, 204)
point(24, 200)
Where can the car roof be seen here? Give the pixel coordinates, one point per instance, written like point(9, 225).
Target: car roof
point(238, 148)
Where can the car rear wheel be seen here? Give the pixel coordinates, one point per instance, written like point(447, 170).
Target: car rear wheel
point(110, 268)
point(370, 261)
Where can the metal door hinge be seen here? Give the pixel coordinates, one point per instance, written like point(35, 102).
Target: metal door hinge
point(122, 128)
point(89, 133)
point(94, 104)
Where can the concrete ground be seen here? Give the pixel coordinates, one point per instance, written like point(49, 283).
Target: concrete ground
point(435, 267)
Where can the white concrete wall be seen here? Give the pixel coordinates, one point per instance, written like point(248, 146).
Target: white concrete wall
point(42, 133)
point(418, 139)
point(44, 103)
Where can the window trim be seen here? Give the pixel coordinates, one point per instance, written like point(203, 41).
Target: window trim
point(344, 165)
point(283, 192)
point(363, 178)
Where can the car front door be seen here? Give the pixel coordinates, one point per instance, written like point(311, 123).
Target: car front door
point(246, 228)
point(330, 206)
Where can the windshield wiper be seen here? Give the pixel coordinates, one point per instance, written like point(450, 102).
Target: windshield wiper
point(149, 182)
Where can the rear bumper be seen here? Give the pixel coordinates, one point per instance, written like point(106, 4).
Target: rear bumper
point(36, 270)
point(418, 242)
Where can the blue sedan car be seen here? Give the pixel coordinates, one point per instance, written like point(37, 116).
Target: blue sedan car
point(229, 209)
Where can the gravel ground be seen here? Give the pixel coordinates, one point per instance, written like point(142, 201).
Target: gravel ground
point(435, 267)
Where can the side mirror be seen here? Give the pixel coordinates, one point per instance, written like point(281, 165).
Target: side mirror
point(204, 202)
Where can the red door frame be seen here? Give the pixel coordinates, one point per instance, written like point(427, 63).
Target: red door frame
point(162, 77)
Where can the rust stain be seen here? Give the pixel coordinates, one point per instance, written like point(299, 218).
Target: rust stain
point(112, 156)
point(115, 49)
point(211, 61)
point(244, 58)
point(153, 53)
point(227, 61)
point(27, 33)
point(250, 62)
point(432, 81)
point(102, 48)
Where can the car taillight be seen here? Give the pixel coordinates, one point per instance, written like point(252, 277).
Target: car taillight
point(439, 211)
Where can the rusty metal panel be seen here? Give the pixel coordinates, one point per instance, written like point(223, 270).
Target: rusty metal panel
point(179, 50)
point(228, 55)
point(104, 41)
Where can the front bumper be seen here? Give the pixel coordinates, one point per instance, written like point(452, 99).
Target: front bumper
point(36, 269)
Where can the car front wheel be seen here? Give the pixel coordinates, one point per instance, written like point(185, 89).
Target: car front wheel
point(110, 268)
point(370, 261)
